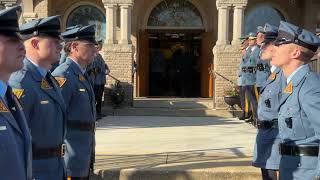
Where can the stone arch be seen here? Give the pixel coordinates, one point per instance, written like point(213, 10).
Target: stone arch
point(196, 3)
point(281, 12)
point(74, 6)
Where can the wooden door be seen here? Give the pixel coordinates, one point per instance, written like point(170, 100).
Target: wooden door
point(206, 64)
point(143, 65)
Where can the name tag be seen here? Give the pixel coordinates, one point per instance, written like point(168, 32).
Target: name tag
point(3, 128)
point(82, 90)
point(44, 102)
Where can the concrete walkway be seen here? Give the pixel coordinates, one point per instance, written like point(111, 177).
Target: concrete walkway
point(177, 148)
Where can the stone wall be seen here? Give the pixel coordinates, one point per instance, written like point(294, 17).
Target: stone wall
point(119, 59)
point(226, 61)
point(41, 8)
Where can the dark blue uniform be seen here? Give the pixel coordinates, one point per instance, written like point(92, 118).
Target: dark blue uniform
point(43, 106)
point(15, 138)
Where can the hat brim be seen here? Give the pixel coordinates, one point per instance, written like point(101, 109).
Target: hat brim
point(12, 34)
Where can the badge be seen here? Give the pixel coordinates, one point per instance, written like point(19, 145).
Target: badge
point(18, 92)
point(3, 108)
point(45, 85)
point(61, 80)
point(81, 77)
point(288, 89)
point(273, 76)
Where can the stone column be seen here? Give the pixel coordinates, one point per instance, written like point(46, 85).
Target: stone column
point(125, 23)
point(238, 24)
point(111, 10)
point(223, 25)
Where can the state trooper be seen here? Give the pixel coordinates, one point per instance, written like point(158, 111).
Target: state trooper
point(299, 108)
point(78, 94)
point(15, 156)
point(263, 67)
point(98, 70)
point(249, 76)
point(41, 96)
point(266, 154)
point(245, 51)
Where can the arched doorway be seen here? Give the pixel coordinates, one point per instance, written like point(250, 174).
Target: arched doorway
point(174, 53)
point(260, 15)
point(87, 15)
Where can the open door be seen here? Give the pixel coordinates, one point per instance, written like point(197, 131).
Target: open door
point(206, 64)
point(143, 65)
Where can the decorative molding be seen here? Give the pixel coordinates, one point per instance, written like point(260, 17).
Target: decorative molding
point(227, 3)
point(126, 2)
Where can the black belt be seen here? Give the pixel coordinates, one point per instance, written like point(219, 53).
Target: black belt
point(259, 124)
point(45, 153)
point(261, 67)
point(82, 126)
point(248, 69)
point(298, 150)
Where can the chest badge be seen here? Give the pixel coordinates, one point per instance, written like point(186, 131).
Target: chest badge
point(81, 77)
point(3, 107)
point(288, 89)
point(273, 76)
point(61, 80)
point(45, 85)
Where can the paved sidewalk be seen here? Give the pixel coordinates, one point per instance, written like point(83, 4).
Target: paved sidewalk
point(146, 147)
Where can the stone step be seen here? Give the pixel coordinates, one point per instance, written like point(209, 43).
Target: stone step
point(133, 111)
point(174, 103)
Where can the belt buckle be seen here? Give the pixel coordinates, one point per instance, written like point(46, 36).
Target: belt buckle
point(63, 149)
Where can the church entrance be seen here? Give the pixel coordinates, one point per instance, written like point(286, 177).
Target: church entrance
point(175, 53)
point(174, 67)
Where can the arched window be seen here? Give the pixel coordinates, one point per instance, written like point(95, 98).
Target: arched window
point(175, 13)
point(260, 15)
point(87, 15)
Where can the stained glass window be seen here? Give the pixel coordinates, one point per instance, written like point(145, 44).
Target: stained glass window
point(175, 13)
point(87, 15)
point(259, 16)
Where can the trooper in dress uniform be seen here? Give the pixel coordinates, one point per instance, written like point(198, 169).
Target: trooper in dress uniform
point(78, 94)
point(249, 75)
point(245, 51)
point(266, 154)
point(263, 67)
point(15, 156)
point(98, 70)
point(299, 108)
point(41, 97)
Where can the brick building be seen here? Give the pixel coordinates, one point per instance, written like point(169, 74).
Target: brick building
point(166, 37)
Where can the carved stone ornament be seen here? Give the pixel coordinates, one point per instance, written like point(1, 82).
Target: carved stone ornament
point(226, 3)
point(126, 2)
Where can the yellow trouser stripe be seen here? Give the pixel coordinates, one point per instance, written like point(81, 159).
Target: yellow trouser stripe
point(256, 92)
point(246, 105)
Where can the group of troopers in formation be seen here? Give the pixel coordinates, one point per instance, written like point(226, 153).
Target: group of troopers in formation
point(280, 96)
point(47, 118)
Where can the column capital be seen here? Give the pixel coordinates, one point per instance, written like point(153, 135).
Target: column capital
point(120, 2)
point(228, 3)
point(110, 5)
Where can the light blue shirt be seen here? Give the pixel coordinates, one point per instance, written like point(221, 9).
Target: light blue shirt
point(41, 70)
point(273, 68)
point(83, 70)
point(3, 88)
point(294, 72)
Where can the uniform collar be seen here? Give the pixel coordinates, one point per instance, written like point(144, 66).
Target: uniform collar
point(273, 68)
point(3, 88)
point(295, 72)
point(43, 72)
point(78, 65)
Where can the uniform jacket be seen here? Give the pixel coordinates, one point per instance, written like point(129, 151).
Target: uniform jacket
point(15, 149)
point(45, 112)
point(79, 98)
point(97, 70)
point(261, 76)
point(299, 123)
point(266, 152)
point(241, 74)
point(250, 78)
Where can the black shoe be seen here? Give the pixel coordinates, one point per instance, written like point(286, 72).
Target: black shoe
point(249, 120)
point(241, 118)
